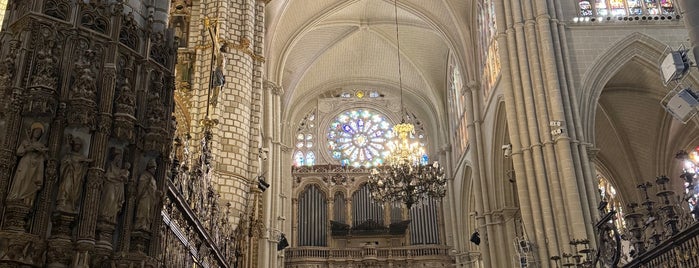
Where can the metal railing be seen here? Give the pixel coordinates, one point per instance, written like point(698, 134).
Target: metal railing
point(682, 250)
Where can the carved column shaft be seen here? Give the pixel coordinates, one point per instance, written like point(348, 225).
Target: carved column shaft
point(41, 218)
point(98, 152)
point(155, 245)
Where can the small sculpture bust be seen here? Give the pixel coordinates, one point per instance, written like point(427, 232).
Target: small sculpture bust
point(73, 169)
point(29, 176)
point(113, 188)
point(146, 196)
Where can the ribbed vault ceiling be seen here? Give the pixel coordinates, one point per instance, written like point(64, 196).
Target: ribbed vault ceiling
point(317, 46)
point(636, 137)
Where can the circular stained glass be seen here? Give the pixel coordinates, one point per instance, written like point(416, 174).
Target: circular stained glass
point(359, 137)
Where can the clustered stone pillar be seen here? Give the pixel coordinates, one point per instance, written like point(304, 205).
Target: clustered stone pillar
point(65, 161)
point(230, 49)
point(690, 9)
point(551, 169)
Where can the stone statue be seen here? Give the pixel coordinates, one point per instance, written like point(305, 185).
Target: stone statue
point(146, 195)
point(29, 176)
point(113, 188)
point(73, 168)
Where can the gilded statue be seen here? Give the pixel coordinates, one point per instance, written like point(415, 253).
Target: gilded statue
point(113, 189)
point(73, 169)
point(147, 196)
point(29, 176)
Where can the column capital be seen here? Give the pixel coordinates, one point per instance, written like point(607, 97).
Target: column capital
point(470, 87)
point(591, 151)
point(276, 89)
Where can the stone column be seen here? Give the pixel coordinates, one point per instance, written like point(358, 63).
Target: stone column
point(510, 81)
point(268, 159)
point(691, 21)
point(294, 221)
point(331, 216)
point(479, 184)
point(348, 206)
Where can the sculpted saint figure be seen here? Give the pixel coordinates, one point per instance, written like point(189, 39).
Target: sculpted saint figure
point(73, 168)
point(113, 188)
point(29, 176)
point(146, 195)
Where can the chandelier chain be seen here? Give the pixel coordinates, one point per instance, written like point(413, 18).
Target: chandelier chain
point(400, 74)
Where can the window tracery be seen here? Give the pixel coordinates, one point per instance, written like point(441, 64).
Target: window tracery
point(358, 138)
point(304, 154)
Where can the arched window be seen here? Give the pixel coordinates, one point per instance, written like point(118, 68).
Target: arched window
point(609, 194)
point(299, 160)
point(690, 168)
point(310, 158)
point(617, 8)
point(358, 138)
point(305, 141)
point(489, 58)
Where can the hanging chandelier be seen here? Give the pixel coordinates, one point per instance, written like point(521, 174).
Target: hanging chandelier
point(406, 176)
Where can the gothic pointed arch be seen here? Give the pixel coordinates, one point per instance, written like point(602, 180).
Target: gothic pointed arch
point(637, 46)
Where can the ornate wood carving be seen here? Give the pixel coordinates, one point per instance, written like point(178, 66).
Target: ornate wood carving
point(83, 91)
point(59, 9)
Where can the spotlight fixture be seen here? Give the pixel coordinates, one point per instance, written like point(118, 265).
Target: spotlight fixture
point(475, 238)
point(262, 184)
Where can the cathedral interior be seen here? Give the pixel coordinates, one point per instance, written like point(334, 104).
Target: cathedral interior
point(349, 133)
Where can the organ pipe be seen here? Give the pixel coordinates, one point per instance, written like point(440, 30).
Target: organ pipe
point(313, 217)
point(340, 209)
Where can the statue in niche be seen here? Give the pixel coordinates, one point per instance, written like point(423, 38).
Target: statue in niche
point(73, 169)
point(29, 176)
point(115, 177)
point(146, 195)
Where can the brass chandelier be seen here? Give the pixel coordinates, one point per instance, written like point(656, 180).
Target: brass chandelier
point(406, 177)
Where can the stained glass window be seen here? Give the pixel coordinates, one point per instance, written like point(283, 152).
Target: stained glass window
point(690, 169)
point(618, 8)
point(299, 160)
point(585, 8)
point(305, 141)
point(489, 56)
point(358, 138)
point(609, 194)
point(456, 102)
point(667, 6)
point(310, 158)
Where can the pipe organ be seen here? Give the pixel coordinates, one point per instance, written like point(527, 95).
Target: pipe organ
point(423, 228)
point(364, 208)
point(365, 225)
point(339, 208)
point(318, 197)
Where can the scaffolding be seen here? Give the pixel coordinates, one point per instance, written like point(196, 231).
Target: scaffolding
point(525, 257)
